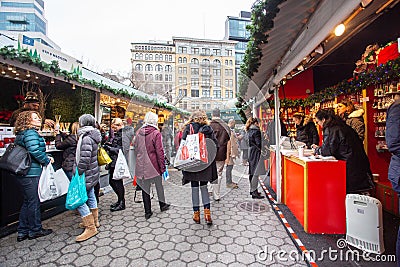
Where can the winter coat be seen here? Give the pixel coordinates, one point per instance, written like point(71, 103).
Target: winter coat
point(114, 147)
point(127, 137)
point(307, 132)
point(233, 149)
point(149, 153)
point(88, 163)
point(393, 143)
point(342, 142)
point(206, 172)
point(256, 161)
point(68, 144)
point(222, 133)
point(356, 121)
point(34, 143)
point(271, 131)
point(177, 139)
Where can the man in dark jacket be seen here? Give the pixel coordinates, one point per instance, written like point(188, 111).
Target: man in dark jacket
point(306, 131)
point(393, 143)
point(222, 133)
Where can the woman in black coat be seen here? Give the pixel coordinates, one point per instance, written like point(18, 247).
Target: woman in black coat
point(256, 162)
point(200, 176)
point(342, 142)
point(67, 142)
point(306, 131)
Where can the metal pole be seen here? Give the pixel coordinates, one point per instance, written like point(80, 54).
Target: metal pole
point(277, 146)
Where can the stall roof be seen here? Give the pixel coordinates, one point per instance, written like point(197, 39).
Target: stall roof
point(299, 28)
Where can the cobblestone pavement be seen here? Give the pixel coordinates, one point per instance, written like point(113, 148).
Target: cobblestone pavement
point(169, 238)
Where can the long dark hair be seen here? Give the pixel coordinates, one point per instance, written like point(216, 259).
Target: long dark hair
point(330, 118)
point(251, 121)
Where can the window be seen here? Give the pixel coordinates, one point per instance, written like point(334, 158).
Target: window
point(168, 77)
point(156, 57)
point(206, 106)
point(229, 83)
point(136, 55)
point(231, 62)
point(216, 72)
point(160, 57)
point(216, 52)
point(205, 71)
point(217, 63)
point(139, 67)
point(158, 77)
point(180, 70)
point(149, 77)
point(180, 60)
point(195, 61)
point(228, 72)
point(205, 62)
point(205, 82)
point(205, 51)
point(226, 62)
point(217, 82)
point(206, 92)
point(168, 68)
point(194, 71)
point(146, 56)
point(182, 81)
point(184, 70)
point(195, 93)
point(194, 81)
point(228, 94)
point(159, 67)
point(182, 50)
point(195, 50)
point(229, 52)
point(183, 92)
point(148, 67)
point(217, 93)
point(184, 105)
point(195, 105)
point(151, 57)
point(140, 56)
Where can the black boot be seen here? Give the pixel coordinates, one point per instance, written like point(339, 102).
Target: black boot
point(256, 195)
point(120, 206)
point(164, 206)
point(112, 206)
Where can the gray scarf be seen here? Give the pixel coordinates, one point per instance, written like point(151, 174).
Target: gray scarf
point(81, 132)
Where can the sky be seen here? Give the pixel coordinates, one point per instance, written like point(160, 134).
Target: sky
point(100, 33)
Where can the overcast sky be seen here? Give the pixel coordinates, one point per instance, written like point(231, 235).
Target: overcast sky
point(100, 32)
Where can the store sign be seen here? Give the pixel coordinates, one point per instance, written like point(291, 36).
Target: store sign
point(48, 54)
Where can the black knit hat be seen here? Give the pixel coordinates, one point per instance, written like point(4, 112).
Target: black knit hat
point(31, 97)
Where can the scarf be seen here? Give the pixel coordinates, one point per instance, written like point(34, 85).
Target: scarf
point(81, 131)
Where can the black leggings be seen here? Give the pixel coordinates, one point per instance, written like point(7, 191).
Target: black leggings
point(116, 185)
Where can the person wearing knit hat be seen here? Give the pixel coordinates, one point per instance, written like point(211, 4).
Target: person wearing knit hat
point(31, 102)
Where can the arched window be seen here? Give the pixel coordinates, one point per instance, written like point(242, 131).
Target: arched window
point(217, 63)
point(161, 56)
point(159, 67)
point(148, 67)
point(184, 60)
point(140, 56)
point(205, 62)
point(168, 68)
point(156, 57)
point(195, 61)
point(139, 67)
point(150, 56)
point(136, 55)
point(179, 60)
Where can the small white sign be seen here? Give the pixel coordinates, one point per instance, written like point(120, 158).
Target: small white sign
point(364, 99)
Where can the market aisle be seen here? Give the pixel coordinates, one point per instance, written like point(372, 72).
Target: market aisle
point(237, 237)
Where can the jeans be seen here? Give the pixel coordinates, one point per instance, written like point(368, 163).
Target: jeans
point(116, 185)
point(229, 169)
point(145, 184)
point(84, 210)
point(29, 215)
point(204, 195)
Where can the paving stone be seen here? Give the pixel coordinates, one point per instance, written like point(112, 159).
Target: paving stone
point(13, 262)
point(242, 240)
point(86, 249)
point(177, 263)
point(119, 262)
point(152, 254)
point(118, 243)
point(102, 261)
point(234, 248)
point(161, 238)
point(135, 253)
point(149, 245)
point(28, 263)
point(207, 257)
point(147, 237)
point(275, 241)
point(226, 257)
point(189, 256)
point(217, 248)
point(51, 257)
point(84, 260)
point(200, 247)
point(67, 258)
point(171, 255)
point(225, 240)
point(245, 258)
point(119, 252)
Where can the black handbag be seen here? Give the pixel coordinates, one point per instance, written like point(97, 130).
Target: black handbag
point(16, 160)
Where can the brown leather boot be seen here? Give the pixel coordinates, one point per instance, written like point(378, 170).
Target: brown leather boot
point(90, 229)
point(207, 216)
point(196, 216)
point(95, 213)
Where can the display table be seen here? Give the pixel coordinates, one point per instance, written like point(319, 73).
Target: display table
point(315, 191)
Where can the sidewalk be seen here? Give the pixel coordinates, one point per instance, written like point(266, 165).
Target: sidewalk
point(243, 228)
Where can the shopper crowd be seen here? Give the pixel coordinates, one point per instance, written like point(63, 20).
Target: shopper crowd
point(154, 148)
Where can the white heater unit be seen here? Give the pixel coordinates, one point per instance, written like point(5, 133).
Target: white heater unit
point(364, 223)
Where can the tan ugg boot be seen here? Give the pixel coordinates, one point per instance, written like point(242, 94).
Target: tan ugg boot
point(90, 229)
point(95, 213)
point(207, 216)
point(196, 216)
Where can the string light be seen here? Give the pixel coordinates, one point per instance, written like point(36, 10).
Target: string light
point(28, 74)
point(3, 71)
point(52, 80)
point(339, 30)
point(9, 67)
point(73, 87)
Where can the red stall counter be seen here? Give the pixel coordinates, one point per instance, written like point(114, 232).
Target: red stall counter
point(315, 192)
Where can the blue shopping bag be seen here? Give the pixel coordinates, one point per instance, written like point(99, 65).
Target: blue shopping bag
point(77, 194)
point(165, 175)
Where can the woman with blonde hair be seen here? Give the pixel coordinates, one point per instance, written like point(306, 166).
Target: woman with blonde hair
point(200, 176)
point(67, 142)
point(26, 126)
point(150, 162)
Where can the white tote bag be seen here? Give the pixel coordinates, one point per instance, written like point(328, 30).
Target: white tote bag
point(49, 186)
point(121, 167)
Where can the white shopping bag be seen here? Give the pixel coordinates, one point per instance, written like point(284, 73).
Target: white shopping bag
point(121, 167)
point(49, 187)
point(62, 181)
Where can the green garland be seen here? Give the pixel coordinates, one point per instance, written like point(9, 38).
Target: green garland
point(26, 57)
point(262, 15)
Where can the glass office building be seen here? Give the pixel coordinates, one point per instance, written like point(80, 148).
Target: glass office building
point(235, 30)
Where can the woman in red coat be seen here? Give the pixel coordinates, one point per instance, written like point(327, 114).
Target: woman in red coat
point(150, 162)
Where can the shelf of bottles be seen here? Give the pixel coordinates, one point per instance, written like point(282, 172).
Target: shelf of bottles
point(383, 98)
